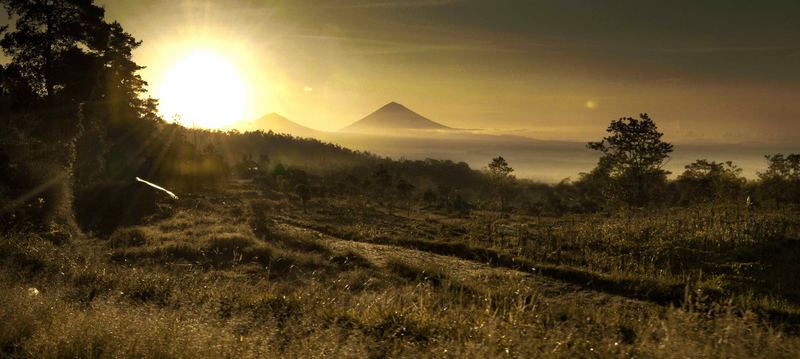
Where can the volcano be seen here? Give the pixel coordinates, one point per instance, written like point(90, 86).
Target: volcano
point(393, 116)
point(279, 124)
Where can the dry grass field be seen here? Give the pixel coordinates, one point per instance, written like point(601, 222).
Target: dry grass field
point(242, 274)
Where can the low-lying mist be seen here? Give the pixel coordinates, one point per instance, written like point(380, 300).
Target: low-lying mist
point(544, 161)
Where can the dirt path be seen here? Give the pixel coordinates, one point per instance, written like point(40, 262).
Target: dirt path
point(458, 269)
point(465, 271)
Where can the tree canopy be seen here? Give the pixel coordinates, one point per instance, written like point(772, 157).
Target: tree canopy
point(634, 146)
point(706, 181)
point(502, 180)
point(781, 180)
point(499, 168)
point(632, 157)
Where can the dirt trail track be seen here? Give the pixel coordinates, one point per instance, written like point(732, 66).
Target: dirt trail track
point(458, 269)
point(465, 271)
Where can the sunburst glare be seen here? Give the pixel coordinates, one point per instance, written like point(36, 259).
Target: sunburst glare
point(205, 90)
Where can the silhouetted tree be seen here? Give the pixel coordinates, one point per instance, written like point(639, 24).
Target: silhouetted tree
point(51, 36)
point(596, 187)
point(781, 181)
point(69, 71)
point(502, 180)
point(633, 156)
point(709, 181)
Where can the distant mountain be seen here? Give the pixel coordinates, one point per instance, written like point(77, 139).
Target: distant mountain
point(393, 116)
point(278, 124)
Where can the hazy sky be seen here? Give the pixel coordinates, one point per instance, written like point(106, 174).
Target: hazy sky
point(720, 71)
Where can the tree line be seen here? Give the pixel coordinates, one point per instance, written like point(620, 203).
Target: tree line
point(630, 174)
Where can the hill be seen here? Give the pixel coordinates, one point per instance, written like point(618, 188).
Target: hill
point(278, 124)
point(393, 116)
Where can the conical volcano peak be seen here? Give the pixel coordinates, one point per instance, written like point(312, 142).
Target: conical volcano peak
point(394, 105)
point(273, 115)
point(393, 116)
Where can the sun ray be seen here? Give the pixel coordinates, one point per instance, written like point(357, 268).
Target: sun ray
point(204, 90)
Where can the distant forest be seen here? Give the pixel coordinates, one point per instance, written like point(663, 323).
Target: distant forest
point(78, 129)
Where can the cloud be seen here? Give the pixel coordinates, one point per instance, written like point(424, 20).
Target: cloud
point(361, 4)
point(722, 49)
point(375, 46)
point(390, 4)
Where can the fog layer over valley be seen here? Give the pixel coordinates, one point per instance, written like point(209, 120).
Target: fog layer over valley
point(398, 132)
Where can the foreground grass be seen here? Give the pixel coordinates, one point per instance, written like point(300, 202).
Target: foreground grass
point(695, 256)
point(217, 281)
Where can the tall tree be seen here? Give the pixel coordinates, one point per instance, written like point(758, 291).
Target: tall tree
point(69, 57)
point(53, 68)
point(49, 37)
point(781, 181)
point(633, 157)
point(502, 180)
point(69, 71)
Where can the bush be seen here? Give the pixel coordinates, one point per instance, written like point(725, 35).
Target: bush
point(106, 206)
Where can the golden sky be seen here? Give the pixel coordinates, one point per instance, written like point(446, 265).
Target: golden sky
point(706, 71)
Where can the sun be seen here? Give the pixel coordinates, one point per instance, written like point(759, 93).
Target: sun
point(204, 90)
